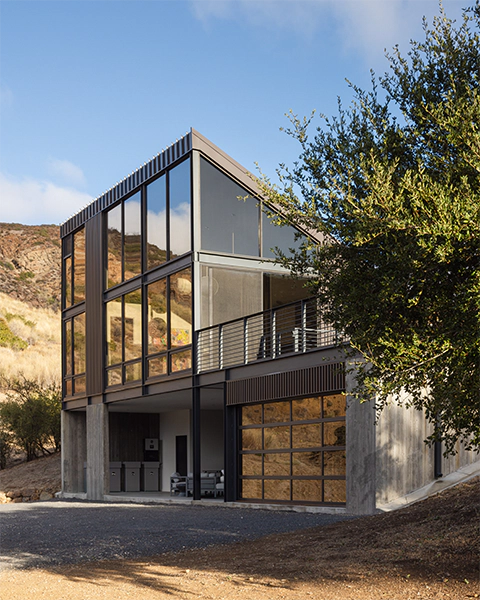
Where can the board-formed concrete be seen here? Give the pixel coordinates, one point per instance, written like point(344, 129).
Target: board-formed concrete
point(97, 451)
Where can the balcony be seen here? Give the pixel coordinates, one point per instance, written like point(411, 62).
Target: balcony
point(289, 329)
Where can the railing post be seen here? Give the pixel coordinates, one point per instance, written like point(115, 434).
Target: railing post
point(220, 346)
point(245, 340)
point(274, 333)
point(304, 325)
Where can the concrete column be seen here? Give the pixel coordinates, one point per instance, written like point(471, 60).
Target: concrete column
point(74, 450)
point(360, 451)
point(97, 451)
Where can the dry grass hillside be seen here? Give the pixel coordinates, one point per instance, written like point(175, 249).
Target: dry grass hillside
point(30, 279)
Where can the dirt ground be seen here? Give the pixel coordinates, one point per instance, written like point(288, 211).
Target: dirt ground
point(430, 550)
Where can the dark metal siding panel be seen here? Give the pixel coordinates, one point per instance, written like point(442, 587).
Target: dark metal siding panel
point(321, 379)
point(94, 304)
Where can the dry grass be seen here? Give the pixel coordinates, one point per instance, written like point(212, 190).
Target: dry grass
point(41, 329)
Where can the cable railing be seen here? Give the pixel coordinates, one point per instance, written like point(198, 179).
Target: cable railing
point(289, 329)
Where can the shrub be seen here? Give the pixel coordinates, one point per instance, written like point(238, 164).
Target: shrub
point(31, 413)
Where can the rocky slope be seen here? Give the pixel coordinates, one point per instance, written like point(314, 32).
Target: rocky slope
point(30, 264)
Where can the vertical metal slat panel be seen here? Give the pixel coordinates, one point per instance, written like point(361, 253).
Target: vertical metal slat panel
point(94, 305)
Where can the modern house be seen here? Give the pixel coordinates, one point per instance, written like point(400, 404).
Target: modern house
point(185, 347)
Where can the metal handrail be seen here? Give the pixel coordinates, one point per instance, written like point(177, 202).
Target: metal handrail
point(288, 329)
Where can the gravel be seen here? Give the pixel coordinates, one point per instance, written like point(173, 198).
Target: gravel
point(68, 532)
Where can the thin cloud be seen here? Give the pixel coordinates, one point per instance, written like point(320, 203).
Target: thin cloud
point(366, 27)
point(36, 202)
point(66, 171)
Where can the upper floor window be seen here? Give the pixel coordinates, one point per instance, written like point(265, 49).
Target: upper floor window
point(124, 241)
point(74, 268)
point(232, 221)
point(169, 216)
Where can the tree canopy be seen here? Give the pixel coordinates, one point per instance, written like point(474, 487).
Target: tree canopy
point(393, 182)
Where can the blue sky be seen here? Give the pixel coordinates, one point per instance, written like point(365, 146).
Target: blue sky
point(90, 90)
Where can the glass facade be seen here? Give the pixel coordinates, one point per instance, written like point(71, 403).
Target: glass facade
point(294, 450)
point(232, 221)
point(74, 355)
point(170, 324)
point(123, 318)
point(74, 268)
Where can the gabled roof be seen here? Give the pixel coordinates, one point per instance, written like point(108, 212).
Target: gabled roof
point(192, 140)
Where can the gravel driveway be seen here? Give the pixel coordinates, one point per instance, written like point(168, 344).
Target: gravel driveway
point(62, 532)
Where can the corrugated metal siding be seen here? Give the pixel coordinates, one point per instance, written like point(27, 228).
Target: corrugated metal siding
point(159, 163)
point(94, 304)
point(321, 379)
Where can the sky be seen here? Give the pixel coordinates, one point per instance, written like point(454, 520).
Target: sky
point(92, 89)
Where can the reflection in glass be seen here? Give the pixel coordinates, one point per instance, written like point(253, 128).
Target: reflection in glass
point(334, 463)
point(133, 372)
point(276, 463)
point(68, 347)
point(79, 385)
point(251, 464)
point(334, 406)
point(306, 436)
point(133, 325)
point(334, 434)
point(79, 266)
point(276, 489)
point(335, 490)
point(306, 409)
point(274, 236)
point(276, 412)
point(251, 439)
point(276, 438)
point(307, 490)
point(132, 237)
point(179, 196)
point(114, 331)
point(157, 316)
point(68, 281)
point(114, 376)
point(229, 224)
point(157, 366)
point(252, 414)
point(156, 223)
point(307, 463)
point(252, 488)
point(114, 243)
point(181, 361)
point(181, 309)
point(79, 343)
point(68, 387)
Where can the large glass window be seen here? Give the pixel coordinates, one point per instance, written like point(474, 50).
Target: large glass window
point(124, 338)
point(170, 324)
point(124, 241)
point(229, 225)
point(294, 451)
point(232, 220)
point(74, 268)
point(179, 203)
point(157, 223)
point(75, 355)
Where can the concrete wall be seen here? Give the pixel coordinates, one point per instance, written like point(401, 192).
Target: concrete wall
point(404, 462)
point(360, 452)
point(461, 459)
point(97, 451)
point(74, 450)
point(174, 423)
point(211, 439)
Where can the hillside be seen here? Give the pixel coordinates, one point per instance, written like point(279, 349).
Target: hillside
point(30, 280)
point(30, 260)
